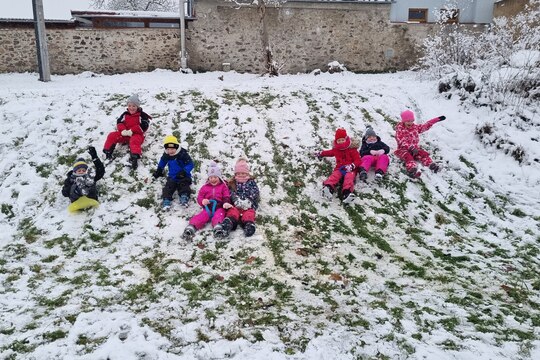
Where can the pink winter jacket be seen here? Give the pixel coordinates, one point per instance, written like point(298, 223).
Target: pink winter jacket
point(408, 136)
point(219, 192)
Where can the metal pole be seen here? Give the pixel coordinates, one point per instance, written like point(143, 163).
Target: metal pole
point(183, 59)
point(41, 41)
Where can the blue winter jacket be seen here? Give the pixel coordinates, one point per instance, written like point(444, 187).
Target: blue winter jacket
point(180, 165)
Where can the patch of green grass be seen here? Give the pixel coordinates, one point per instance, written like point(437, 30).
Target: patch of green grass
point(7, 209)
point(518, 213)
point(55, 335)
point(29, 232)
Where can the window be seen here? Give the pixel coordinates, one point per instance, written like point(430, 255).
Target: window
point(449, 16)
point(418, 15)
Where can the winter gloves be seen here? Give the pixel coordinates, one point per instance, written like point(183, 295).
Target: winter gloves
point(349, 168)
point(126, 132)
point(157, 173)
point(93, 153)
point(413, 150)
point(442, 118)
point(243, 204)
point(317, 155)
point(181, 175)
point(377, 152)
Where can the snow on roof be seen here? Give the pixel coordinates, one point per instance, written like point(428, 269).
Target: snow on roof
point(124, 13)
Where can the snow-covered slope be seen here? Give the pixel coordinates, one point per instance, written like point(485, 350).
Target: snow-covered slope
point(446, 268)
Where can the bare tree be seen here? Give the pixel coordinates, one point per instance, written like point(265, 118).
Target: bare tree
point(137, 5)
point(272, 66)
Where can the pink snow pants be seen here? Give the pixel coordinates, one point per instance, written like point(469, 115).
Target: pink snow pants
point(202, 218)
point(335, 177)
point(380, 162)
point(410, 161)
point(135, 141)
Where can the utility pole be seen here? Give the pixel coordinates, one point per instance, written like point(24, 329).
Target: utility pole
point(183, 58)
point(41, 41)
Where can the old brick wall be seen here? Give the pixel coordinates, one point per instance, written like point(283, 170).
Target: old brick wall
point(108, 51)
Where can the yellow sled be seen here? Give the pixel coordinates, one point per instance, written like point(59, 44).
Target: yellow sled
point(82, 203)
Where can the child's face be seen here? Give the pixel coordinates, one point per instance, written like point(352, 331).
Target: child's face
point(132, 108)
point(170, 151)
point(214, 180)
point(371, 139)
point(340, 140)
point(80, 171)
point(241, 176)
point(408, 124)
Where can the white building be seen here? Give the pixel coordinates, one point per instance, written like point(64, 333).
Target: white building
point(427, 11)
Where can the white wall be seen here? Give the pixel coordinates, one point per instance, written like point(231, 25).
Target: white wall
point(470, 11)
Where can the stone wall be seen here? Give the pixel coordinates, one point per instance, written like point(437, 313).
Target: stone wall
point(107, 51)
point(304, 36)
point(509, 7)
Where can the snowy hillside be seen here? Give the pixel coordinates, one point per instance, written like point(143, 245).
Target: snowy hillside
point(446, 268)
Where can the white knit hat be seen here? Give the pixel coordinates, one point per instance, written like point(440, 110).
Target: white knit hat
point(214, 169)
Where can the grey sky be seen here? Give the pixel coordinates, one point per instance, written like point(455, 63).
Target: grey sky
point(54, 9)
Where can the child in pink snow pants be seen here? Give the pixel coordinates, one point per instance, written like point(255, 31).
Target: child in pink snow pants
point(212, 196)
point(373, 152)
point(347, 160)
point(407, 137)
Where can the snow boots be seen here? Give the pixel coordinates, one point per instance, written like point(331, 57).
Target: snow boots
point(184, 200)
point(249, 228)
point(166, 205)
point(133, 159)
point(379, 175)
point(327, 192)
point(414, 173)
point(362, 175)
point(434, 167)
point(348, 197)
point(219, 232)
point(189, 232)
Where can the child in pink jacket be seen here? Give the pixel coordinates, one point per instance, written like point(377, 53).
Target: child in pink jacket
point(407, 137)
point(211, 198)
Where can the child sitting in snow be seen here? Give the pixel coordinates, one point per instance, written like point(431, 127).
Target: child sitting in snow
point(244, 198)
point(131, 126)
point(373, 152)
point(212, 196)
point(79, 181)
point(347, 160)
point(179, 175)
point(407, 140)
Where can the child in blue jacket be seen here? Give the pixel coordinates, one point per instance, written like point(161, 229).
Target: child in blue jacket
point(179, 175)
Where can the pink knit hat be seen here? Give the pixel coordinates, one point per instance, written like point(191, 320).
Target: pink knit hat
point(241, 166)
point(407, 116)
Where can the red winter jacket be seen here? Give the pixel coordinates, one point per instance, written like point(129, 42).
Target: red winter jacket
point(137, 122)
point(345, 154)
point(408, 136)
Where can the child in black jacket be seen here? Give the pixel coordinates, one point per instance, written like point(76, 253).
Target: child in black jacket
point(79, 181)
point(373, 152)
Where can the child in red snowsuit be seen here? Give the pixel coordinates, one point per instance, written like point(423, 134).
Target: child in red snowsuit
point(407, 137)
point(347, 160)
point(131, 126)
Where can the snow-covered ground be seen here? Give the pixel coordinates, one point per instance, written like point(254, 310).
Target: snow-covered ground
point(446, 268)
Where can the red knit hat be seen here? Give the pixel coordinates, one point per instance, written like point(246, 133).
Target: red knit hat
point(341, 133)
